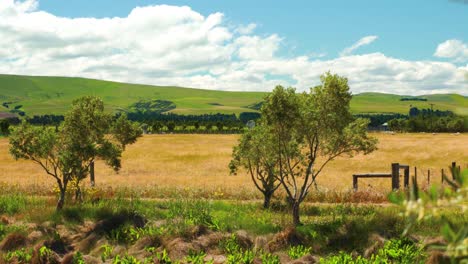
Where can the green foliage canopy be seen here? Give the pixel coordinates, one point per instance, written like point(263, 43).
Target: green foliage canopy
point(308, 130)
point(66, 154)
point(255, 152)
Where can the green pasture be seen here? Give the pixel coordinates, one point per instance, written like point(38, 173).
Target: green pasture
point(53, 95)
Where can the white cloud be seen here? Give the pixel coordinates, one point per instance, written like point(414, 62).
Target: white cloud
point(12, 6)
point(318, 54)
point(362, 42)
point(172, 45)
point(255, 47)
point(453, 49)
point(246, 30)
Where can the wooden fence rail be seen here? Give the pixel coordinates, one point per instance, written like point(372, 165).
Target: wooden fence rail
point(395, 175)
point(368, 175)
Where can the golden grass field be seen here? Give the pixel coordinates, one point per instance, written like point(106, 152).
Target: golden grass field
point(201, 161)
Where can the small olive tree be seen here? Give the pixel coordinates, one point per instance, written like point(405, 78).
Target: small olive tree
point(256, 154)
point(308, 130)
point(66, 154)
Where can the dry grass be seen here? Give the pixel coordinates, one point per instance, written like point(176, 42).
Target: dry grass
point(200, 162)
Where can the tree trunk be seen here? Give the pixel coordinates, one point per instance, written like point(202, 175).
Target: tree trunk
point(61, 200)
point(91, 173)
point(295, 213)
point(267, 199)
point(78, 195)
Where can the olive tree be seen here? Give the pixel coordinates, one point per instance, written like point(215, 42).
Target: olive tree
point(309, 130)
point(255, 153)
point(87, 133)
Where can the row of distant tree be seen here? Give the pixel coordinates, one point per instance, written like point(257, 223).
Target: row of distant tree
point(207, 127)
point(428, 120)
point(427, 112)
point(150, 117)
point(159, 123)
point(417, 120)
point(428, 124)
point(376, 120)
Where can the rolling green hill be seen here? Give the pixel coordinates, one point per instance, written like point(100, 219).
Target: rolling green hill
point(47, 95)
point(390, 103)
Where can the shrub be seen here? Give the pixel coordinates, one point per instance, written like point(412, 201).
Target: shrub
point(229, 245)
point(299, 251)
point(163, 257)
point(344, 258)
point(401, 251)
point(18, 256)
point(196, 257)
point(394, 251)
point(235, 253)
point(125, 260)
point(107, 252)
point(422, 206)
point(126, 234)
point(78, 258)
point(193, 212)
point(244, 257)
point(45, 253)
point(12, 204)
point(268, 258)
point(13, 231)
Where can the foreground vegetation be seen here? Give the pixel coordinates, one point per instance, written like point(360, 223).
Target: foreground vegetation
point(122, 230)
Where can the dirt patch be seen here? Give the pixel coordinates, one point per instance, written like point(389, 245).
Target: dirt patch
point(243, 239)
point(307, 259)
point(13, 241)
point(288, 237)
point(44, 258)
point(178, 248)
point(209, 241)
point(115, 221)
point(377, 243)
point(436, 257)
point(4, 220)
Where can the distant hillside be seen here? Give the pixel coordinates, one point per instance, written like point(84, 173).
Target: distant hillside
point(380, 102)
point(47, 95)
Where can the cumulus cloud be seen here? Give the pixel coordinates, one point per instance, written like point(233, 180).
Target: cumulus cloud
point(453, 49)
point(362, 42)
point(175, 45)
point(246, 30)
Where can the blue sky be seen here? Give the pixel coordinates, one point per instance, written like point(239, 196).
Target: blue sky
point(406, 29)
point(406, 47)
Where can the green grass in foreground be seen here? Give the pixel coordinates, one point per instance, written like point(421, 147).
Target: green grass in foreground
point(47, 95)
point(339, 224)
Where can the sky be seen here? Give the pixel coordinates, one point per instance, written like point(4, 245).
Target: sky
point(405, 47)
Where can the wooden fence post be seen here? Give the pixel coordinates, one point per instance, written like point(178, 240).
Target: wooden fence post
point(442, 176)
point(428, 177)
point(91, 173)
point(454, 167)
point(406, 177)
point(355, 183)
point(415, 175)
point(395, 176)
